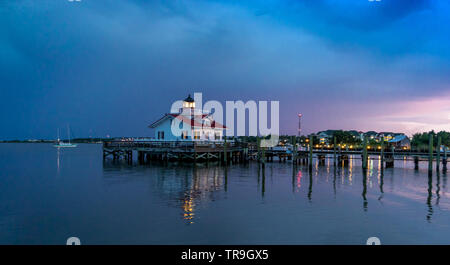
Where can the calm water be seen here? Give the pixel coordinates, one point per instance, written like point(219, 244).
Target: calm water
point(47, 196)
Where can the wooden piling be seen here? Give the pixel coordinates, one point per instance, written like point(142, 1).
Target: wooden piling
point(263, 155)
point(225, 154)
point(294, 150)
point(382, 153)
point(438, 151)
point(444, 160)
point(364, 153)
point(430, 152)
point(258, 149)
point(334, 149)
point(310, 151)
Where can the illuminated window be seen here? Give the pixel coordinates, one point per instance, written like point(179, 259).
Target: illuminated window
point(184, 135)
point(189, 104)
point(196, 135)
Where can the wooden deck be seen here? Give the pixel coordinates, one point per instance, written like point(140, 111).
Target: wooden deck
point(226, 152)
point(176, 150)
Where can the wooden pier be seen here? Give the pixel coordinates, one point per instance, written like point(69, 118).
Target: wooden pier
point(236, 152)
point(193, 151)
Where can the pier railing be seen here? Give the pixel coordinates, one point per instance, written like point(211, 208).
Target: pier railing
point(129, 144)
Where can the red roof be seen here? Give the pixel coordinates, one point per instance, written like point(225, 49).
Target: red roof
point(195, 122)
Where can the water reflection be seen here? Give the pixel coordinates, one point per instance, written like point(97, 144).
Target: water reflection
point(296, 179)
point(263, 185)
point(188, 207)
point(58, 163)
point(182, 204)
point(430, 196)
point(364, 193)
point(194, 187)
point(225, 171)
point(438, 187)
point(334, 182)
point(381, 183)
point(310, 185)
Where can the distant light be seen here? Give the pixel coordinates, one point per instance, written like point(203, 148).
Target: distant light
point(299, 115)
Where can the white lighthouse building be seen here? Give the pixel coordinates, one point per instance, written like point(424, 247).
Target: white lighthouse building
point(194, 125)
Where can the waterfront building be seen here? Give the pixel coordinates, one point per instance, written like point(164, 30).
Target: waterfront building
point(197, 125)
point(386, 136)
point(400, 141)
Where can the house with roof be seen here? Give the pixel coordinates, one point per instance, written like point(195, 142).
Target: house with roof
point(387, 136)
point(400, 141)
point(194, 125)
point(325, 136)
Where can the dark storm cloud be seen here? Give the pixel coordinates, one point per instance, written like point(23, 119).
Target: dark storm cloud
point(111, 67)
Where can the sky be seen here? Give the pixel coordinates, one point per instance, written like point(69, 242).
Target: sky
point(112, 67)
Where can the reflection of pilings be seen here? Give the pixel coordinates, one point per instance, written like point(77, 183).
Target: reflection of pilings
point(438, 187)
point(321, 159)
point(444, 180)
point(310, 185)
point(226, 179)
point(263, 184)
point(334, 181)
point(389, 161)
point(381, 184)
point(343, 159)
point(130, 157)
point(294, 170)
point(310, 152)
point(364, 190)
point(430, 195)
point(140, 157)
point(416, 162)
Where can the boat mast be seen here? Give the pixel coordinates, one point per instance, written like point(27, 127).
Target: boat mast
point(68, 132)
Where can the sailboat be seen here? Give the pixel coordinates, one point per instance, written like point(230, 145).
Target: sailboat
point(60, 143)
